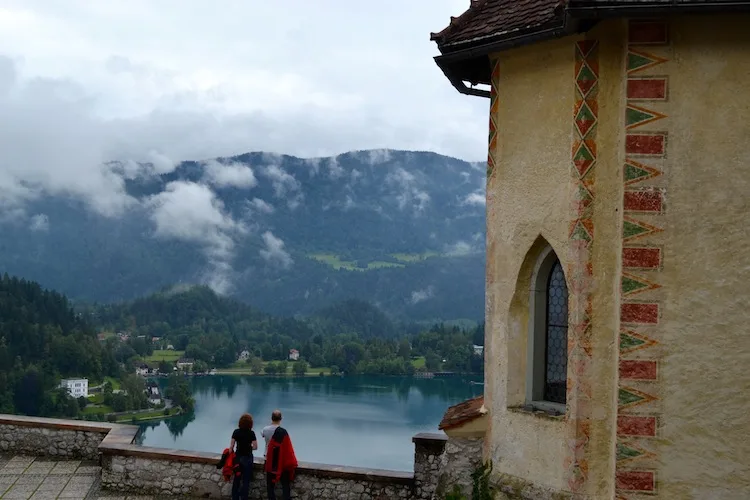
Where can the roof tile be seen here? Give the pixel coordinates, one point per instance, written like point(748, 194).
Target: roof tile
point(463, 412)
point(486, 18)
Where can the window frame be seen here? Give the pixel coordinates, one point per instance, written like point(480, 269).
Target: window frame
point(536, 352)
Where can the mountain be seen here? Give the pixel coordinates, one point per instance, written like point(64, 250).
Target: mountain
point(400, 229)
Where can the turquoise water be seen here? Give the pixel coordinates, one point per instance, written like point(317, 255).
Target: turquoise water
point(356, 421)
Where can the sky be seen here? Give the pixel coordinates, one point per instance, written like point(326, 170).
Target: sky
point(193, 79)
point(84, 83)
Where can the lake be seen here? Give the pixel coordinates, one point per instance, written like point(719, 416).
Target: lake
point(363, 421)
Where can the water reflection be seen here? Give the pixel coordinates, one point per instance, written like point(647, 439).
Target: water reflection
point(360, 421)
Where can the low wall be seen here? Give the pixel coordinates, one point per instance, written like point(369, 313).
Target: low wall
point(127, 467)
point(52, 437)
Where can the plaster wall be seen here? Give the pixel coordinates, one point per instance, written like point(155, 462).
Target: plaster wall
point(529, 196)
point(664, 411)
point(705, 452)
point(527, 199)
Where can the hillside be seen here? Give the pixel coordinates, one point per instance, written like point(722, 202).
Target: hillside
point(402, 230)
point(41, 340)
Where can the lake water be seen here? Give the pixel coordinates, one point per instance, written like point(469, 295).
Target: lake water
point(356, 421)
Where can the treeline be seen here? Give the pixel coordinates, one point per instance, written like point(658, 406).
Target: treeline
point(41, 341)
point(351, 337)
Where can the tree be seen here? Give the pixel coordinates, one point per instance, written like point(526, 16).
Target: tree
point(404, 349)
point(82, 402)
point(300, 368)
point(179, 392)
point(256, 365)
point(432, 361)
point(165, 367)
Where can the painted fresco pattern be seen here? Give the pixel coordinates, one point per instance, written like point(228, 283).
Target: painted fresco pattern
point(644, 202)
point(494, 103)
point(580, 270)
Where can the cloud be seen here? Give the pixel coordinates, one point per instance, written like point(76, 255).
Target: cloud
point(261, 206)
point(52, 144)
point(228, 175)
point(39, 222)
point(274, 251)
point(191, 212)
point(410, 194)
point(460, 249)
point(476, 198)
point(418, 296)
point(285, 186)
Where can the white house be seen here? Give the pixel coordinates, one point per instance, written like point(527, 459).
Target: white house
point(76, 387)
point(142, 370)
point(478, 349)
point(244, 355)
point(293, 354)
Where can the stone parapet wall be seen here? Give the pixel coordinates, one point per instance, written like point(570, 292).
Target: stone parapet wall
point(195, 475)
point(52, 437)
point(127, 467)
point(463, 455)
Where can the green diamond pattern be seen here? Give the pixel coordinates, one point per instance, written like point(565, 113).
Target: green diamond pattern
point(580, 233)
point(583, 153)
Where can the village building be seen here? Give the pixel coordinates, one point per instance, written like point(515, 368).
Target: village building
point(618, 269)
point(244, 355)
point(185, 363)
point(294, 354)
point(76, 387)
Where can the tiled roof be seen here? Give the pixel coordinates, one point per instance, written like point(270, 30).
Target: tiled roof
point(486, 18)
point(462, 413)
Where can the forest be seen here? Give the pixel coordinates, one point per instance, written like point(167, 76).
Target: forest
point(44, 338)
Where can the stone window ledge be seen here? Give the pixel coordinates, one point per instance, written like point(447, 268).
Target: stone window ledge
point(540, 410)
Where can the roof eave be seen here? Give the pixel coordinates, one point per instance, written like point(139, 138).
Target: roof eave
point(584, 9)
point(474, 55)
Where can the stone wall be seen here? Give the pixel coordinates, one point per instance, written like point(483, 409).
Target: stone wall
point(127, 467)
point(52, 437)
point(461, 458)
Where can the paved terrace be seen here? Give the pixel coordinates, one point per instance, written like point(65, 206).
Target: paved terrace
point(28, 477)
point(44, 458)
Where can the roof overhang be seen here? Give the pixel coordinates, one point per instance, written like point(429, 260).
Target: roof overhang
point(467, 63)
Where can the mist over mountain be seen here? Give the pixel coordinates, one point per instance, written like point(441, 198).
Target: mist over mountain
point(403, 230)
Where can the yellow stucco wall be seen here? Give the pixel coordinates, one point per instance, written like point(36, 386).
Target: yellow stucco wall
point(527, 197)
point(706, 274)
point(700, 392)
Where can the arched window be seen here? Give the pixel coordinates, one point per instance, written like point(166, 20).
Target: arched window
point(556, 341)
point(547, 358)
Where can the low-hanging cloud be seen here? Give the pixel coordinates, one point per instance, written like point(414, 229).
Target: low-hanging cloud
point(229, 174)
point(39, 222)
point(285, 186)
point(410, 194)
point(191, 212)
point(274, 251)
point(418, 296)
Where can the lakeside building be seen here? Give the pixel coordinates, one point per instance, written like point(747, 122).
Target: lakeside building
point(77, 387)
